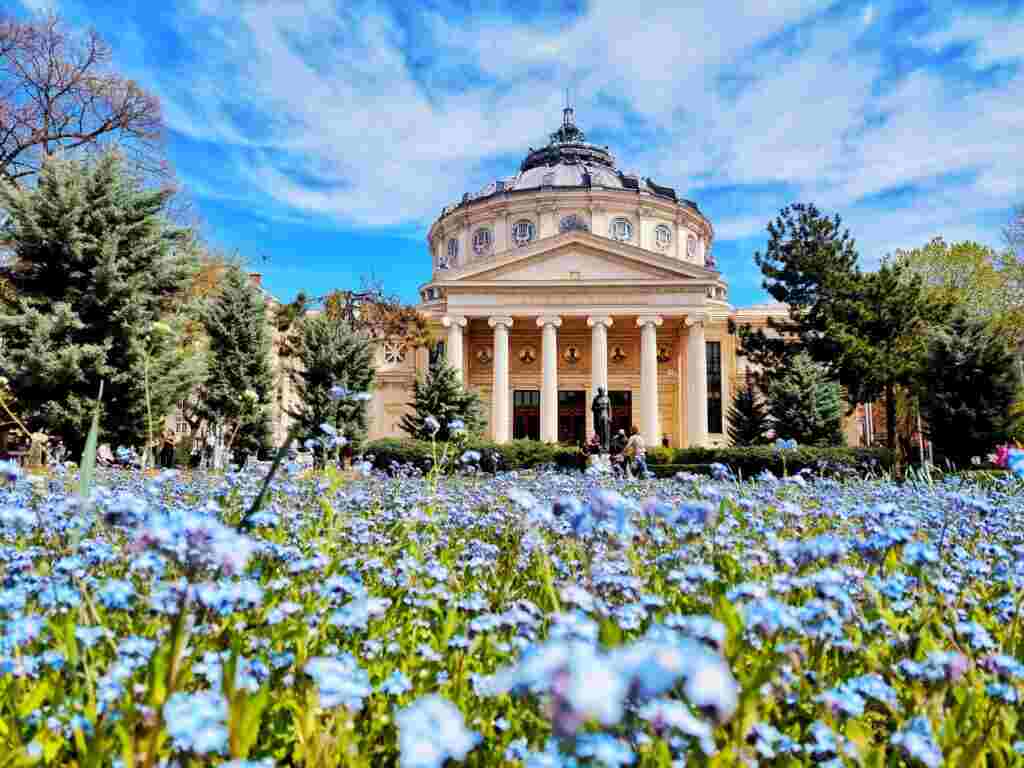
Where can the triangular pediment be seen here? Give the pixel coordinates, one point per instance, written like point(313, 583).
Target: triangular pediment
point(578, 256)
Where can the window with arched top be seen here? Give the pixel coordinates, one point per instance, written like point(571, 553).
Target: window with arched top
point(522, 231)
point(621, 229)
point(691, 247)
point(663, 236)
point(453, 251)
point(482, 240)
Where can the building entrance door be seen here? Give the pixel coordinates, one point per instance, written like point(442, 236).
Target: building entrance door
point(622, 410)
point(572, 416)
point(526, 414)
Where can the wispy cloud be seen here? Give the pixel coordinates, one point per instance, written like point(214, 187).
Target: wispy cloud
point(906, 122)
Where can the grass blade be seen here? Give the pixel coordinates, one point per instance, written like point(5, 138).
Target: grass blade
point(87, 467)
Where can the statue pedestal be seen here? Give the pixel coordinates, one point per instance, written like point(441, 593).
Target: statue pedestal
point(600, 464)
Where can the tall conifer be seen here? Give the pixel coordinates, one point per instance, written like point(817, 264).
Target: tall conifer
point(238, 390)
point(98, 274)
point(328, 352)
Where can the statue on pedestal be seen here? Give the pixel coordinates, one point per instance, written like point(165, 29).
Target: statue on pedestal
point(602, 409)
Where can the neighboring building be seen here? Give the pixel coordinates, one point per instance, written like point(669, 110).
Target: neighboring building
point(569, 276)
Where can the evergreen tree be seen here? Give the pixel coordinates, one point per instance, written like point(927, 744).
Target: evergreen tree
point(441, 395)
point(968, 388)
point(327, 352)
point(868, 329)
point(749, 422)
point(809, 262)
point(98, 274)
point(805, 403)
point(238, 390)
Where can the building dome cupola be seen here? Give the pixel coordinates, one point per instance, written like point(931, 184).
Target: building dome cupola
point(568, 146)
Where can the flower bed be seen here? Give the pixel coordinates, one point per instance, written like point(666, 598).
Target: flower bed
point(524, 618)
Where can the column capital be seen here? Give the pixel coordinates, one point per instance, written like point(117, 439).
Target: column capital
point(654, 320)
point(449, 320)
point(554, 320)
point(607, 322)
point(505, 322)
point(699, 318)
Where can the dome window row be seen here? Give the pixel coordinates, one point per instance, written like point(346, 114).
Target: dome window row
point(524, 231)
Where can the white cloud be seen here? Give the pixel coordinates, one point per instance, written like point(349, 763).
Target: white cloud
point(320, 111)
point(40, 6)
point(990, 38)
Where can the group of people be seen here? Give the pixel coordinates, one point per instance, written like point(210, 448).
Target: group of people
point(628, 453)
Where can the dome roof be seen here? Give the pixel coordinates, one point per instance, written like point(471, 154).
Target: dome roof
point(569, 161)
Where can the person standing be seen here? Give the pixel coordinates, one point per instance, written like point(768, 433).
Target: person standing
point(636, 452)
point(167, 449)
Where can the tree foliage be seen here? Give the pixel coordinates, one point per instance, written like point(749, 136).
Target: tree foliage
point(866, 328)
point(808, 264)
point(59, 94)
point(238, 389)
point(986, 284)
point(440, 395)
point(805, 403)
point(329, 352)
point(749, 422)
point(969, 386)
point(99, 276)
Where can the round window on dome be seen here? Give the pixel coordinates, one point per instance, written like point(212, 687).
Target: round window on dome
point(621, 229)
point(663, 236)
point(482, 240)
point(453, 250)
point(522, 231)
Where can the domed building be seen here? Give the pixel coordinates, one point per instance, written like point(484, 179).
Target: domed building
point(569, 276)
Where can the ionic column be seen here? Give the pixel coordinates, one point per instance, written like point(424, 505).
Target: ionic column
point(453, 347)
point(599, 351)
point(500, 416)
point(549, 387)
point(649, 427)
point(696, 382)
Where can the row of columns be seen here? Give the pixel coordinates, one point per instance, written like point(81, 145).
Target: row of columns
point(696, 379)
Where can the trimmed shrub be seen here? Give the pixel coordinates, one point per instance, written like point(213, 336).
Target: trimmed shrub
point(516, 454)
point(751, 461)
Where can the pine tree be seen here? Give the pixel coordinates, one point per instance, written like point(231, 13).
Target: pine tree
point(98, 274)
point(441, 395)
point(749, 422)
point(328, 352)
point(805, 404)
point(239, 387)
point(967, 391)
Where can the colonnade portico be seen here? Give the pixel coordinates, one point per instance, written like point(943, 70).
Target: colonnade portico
point(549, 325)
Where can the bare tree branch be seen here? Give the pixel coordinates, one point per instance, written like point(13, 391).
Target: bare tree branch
point(58, 93)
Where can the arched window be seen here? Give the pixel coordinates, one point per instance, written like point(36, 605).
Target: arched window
point(691, 247)
point(663, 236)
point(453, 251)
point(621, 229)
point(482, 240)
point(522, 231)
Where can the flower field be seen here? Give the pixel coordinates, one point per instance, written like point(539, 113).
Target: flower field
point(538, 619)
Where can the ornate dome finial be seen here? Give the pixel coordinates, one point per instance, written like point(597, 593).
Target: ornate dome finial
point(568, 132)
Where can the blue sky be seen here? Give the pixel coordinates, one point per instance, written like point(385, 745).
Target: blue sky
point(319, 139)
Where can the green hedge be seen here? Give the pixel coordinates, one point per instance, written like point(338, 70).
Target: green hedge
point(516, 454)
point(663, 462)
point(751, 461)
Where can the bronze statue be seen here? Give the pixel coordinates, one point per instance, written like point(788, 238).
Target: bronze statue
point(602, 409)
